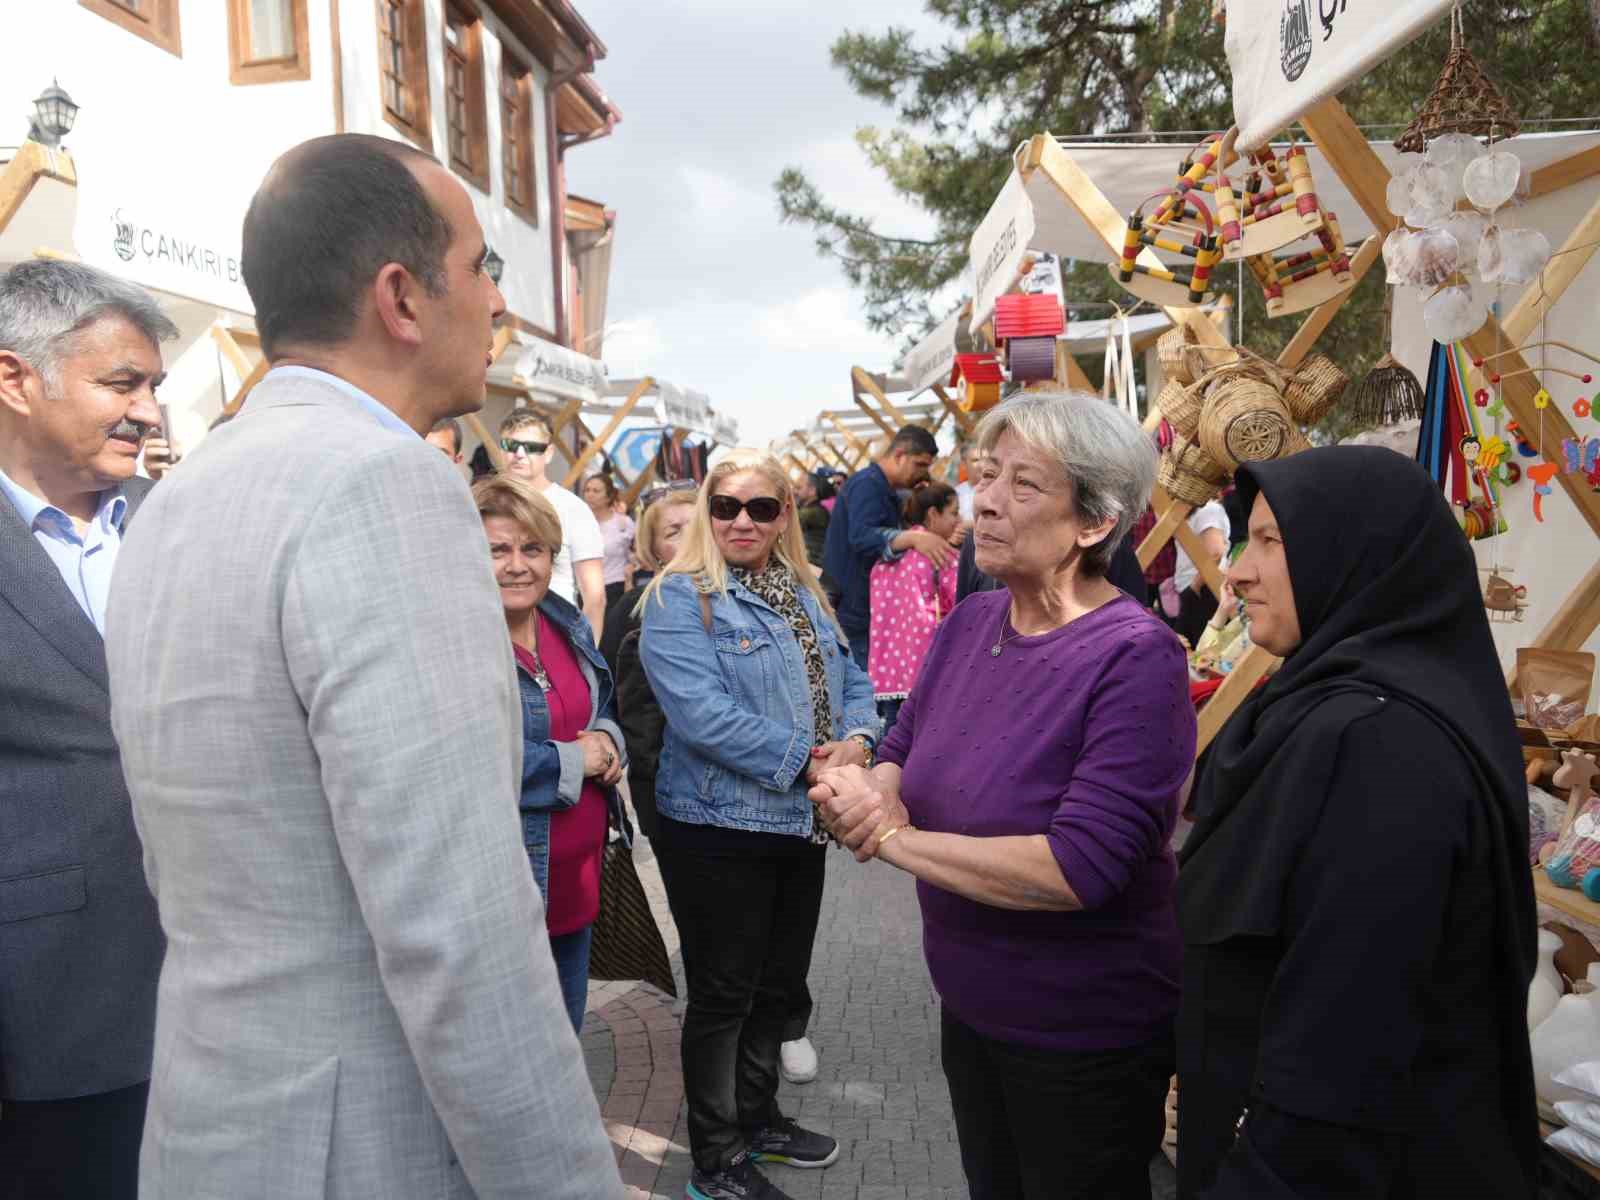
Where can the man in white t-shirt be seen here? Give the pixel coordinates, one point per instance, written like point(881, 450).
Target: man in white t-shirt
point(579, 569)
point(1210, 523)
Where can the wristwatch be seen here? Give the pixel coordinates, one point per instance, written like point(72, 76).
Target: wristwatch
point(866, 745)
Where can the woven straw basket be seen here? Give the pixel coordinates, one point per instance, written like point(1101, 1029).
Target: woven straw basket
point(1187, 473)
point(1245, 419)
point(1181, 407)
point(1171, 349)
point(1314, 389)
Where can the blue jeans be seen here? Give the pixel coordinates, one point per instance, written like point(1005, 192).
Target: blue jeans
point(858, 649)
point(571, 952)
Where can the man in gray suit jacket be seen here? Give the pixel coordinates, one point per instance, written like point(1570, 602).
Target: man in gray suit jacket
point(312, 686)
point(80, 943)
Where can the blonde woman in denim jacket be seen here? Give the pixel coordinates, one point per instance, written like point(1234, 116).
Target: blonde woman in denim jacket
point(760, 695)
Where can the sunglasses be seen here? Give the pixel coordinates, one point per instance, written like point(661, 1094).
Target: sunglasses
point(512, 445)
point(676, 486)
point(763, 510)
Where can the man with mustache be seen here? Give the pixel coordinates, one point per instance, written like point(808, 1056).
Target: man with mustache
point(80, 941)
point(358, 997)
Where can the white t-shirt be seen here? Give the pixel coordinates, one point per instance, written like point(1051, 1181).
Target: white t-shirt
point(580, 540)
point(1208, 516)
point(965, 490)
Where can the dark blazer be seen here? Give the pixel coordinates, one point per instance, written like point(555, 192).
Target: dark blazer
point(80, 940)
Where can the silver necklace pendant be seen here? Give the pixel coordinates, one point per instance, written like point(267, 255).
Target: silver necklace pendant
point(542, 680)
point(994, 650)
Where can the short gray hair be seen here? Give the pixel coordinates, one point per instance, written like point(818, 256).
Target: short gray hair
point(1109, 462)
point(45, 303)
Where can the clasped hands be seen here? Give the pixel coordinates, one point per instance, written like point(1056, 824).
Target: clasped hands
point(600, 758)
point(858, 807)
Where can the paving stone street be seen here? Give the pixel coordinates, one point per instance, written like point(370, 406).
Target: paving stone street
point(880, 1089)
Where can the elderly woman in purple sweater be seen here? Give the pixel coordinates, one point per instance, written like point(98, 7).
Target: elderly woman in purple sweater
point(1032, 785)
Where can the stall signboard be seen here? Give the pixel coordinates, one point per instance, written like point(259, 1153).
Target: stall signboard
point(1288, 55)
point(930, 360)
point(725, 429)
point(557, 371)
point(683, 408)
point(173, 243)
point(998, 246)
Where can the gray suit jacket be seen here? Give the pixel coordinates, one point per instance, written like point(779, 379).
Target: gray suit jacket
point(80, 943)
point(313, 686)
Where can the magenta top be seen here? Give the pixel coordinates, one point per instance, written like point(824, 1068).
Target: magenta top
point(1084, 735)
point(908, 598)
point(577, 834)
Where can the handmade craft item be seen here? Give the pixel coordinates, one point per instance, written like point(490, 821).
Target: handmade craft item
point(1026, 326)
point(1502, 598)
point(1177, 221)
point(1576, 860)
point(1462, 101)
point(980, 377)
point(1390, 393)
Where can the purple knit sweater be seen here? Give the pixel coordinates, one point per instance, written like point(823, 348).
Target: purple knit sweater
point(1085, 735)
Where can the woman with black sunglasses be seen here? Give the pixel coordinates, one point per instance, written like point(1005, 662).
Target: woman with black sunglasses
point(760, 695)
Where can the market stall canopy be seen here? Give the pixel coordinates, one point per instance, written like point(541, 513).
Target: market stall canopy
point(929, 361)
point(1034, 213)
point(1287, 55)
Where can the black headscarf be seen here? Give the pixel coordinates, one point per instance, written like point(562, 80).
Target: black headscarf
point(1387, 593)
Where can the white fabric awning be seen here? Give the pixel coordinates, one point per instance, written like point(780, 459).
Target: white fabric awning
point(546, 367)
point(930, 360)
point(1089, 337)
point(1128, 173)
point(1288, 55)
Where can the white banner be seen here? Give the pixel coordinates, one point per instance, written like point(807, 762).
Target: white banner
point(1287, 55)
point(725, 429)
point(930, 360)
point(547, 367)
point(683, 408)
point(998, 246)
point(171, 242)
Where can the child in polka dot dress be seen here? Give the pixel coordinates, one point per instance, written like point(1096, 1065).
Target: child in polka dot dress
point(909, 598)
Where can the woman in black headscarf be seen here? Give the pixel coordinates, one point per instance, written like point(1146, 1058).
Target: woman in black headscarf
point(1355, 900)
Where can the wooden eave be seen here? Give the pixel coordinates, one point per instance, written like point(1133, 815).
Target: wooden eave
point(585, 215)
point(559, 45)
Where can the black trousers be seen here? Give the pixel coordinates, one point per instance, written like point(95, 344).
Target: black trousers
point(1055, 1125)
point(747, 922)
point(1194, 610)
point(86, 1148)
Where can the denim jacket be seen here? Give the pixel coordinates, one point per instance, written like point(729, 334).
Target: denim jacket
point(552, 772)
point(738, 706)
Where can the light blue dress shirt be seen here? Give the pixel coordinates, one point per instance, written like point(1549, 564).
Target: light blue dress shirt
point(386, 416)
point(85, 560)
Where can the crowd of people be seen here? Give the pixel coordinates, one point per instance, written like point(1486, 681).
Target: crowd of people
point(310, 756)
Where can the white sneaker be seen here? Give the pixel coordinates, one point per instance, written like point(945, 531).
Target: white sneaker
point(799, 1061)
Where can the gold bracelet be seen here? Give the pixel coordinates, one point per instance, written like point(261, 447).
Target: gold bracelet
point(889, 835)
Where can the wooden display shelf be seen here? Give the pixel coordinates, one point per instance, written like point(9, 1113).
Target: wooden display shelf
point(1569, 901)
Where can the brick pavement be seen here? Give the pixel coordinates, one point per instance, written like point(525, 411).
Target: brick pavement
point(879, 1090)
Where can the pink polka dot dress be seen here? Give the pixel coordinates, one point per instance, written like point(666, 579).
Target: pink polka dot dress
point(909, 599)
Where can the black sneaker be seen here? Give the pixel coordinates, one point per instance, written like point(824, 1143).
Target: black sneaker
point(785, 1142)
point(739, 1180)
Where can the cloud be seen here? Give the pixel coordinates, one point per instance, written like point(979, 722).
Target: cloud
point(718, 195)
point(633, 346)
point(825, 320)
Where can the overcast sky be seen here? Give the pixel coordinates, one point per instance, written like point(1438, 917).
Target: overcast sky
point(708, 289)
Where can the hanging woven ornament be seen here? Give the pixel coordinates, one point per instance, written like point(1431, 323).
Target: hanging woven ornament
point(1463, 100)
point(1390, 393)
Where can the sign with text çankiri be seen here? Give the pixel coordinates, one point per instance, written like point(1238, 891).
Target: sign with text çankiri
point(998, 246)
point(1288, 55)
point(167, 243)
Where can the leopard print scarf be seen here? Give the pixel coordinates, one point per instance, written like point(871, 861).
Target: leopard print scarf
point(777, 585)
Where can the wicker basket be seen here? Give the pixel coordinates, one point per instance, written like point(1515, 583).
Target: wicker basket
point(1463, 100)
point(1245, 420)
point(1187, 473)
point(1172, 352)
point(1181, 407)
point(1314, 389)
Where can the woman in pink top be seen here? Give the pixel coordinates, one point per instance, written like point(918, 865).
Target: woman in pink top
point(909, 598)
point(616, 528)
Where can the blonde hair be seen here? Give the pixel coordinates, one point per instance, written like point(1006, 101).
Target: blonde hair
point(644, 538)
point(503, 496)
point(698, 556)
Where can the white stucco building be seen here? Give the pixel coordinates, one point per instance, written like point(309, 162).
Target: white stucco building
point(184, 104)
